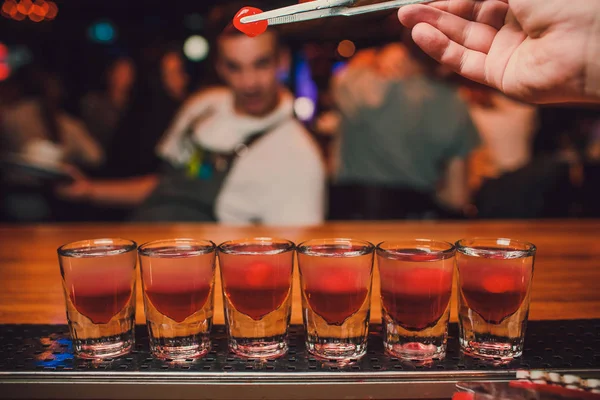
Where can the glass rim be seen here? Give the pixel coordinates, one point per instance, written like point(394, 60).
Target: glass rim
point(70, 249)
point(529, 249)
point(303, 248)
point(145, 249)
point(447, 253)
point(224, 247)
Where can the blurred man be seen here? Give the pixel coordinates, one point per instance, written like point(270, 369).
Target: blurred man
point(235, 154)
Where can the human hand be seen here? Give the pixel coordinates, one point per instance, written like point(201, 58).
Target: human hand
point(535, 50)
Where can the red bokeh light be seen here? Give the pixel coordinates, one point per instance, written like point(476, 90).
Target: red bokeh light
point(35, 17)
point(52, 10)
point(24, 7)
point(4, 71)
point(8, 6)
point(3, 52)
point(36, 10)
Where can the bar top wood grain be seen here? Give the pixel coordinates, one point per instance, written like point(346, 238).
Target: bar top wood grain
point(566, 281)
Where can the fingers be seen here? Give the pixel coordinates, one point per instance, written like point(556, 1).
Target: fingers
point(473, 35)
point(467, 62)
point(489, 12)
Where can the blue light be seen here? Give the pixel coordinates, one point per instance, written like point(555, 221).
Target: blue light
point(102, 32)
point(305, 85)
point(338, 66)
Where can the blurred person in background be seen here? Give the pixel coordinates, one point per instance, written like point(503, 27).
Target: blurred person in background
point(233, 154)
point(38, 121)
point(103, 111)
point(507, 129)
point(405, 139)
point(36, 128)
point(506, 180)
point(163, 86)
point(571, 139)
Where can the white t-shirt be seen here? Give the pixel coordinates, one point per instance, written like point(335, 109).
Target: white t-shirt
point(280, 180)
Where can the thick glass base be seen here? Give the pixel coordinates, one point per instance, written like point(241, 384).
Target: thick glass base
point(263, 348)
point(416, 351)
point(347, 349)
point(180, 348)
point(493, 348)
point(104, 347)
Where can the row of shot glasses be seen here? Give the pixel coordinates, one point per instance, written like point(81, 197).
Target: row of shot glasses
point(336, 276)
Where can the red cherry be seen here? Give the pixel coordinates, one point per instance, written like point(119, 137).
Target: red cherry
point(258, 274)
point(499, 284)
point(252, 29)
point(337, 280)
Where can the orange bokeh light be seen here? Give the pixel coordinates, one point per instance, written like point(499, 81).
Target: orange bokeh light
point(38, 11)
point(35, 17)
point(24, 7)
point(8, 6)
point(45, 7)
point(346, 48)
point(52, 10)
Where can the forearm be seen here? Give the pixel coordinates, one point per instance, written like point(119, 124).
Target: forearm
point(121, 192)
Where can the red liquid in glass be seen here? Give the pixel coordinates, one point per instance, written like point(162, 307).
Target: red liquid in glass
point(256, 285)
point(178, 285)
point(257, 302)
point(416, 289)
point(100, 307)
point(504, 304)
point(339, 288)
point(178, 304)
point(494, 288)
point(336, 307)
point(99, 287)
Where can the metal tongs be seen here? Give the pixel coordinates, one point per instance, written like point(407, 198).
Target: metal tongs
point(323, 9)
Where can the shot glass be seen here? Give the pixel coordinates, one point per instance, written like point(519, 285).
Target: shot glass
point(336, 277)
point(257, 286)
point(494, 287)
point(98, 279)
point(416, 286)
point(178, 279)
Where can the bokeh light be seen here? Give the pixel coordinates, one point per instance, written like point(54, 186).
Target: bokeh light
point(196, 48)
point(346, 48)
point(52, 11)
point(24, 6)
point(37, 11)
point(3, 52)
point(102, 32)
point(4, 71)
point(304, 108)
point(7, 8)
point(17, 16)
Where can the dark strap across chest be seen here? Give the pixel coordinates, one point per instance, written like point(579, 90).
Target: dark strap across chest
point(189, 194)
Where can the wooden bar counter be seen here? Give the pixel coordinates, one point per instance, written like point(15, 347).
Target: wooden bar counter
point(36, 361)
point(566, 279)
